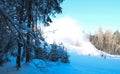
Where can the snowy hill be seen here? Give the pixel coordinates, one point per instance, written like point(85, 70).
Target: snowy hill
point(84, 57)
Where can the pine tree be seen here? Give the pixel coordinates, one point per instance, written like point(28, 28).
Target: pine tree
point(17, 12)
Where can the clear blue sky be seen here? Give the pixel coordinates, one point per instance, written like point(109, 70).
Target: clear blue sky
point(94, 13)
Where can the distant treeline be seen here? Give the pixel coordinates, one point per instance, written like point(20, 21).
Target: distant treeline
point(107, 41)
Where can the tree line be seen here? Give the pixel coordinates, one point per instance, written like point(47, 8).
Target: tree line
point(107, 41)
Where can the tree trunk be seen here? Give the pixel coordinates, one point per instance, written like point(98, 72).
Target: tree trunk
point(18, 56)
point(29, 26)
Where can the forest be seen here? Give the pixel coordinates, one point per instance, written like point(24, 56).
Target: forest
point(107, 41)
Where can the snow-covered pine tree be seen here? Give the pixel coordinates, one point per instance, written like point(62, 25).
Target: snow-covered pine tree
point(16, 12)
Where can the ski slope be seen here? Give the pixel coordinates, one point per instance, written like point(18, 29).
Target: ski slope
point(84, 57)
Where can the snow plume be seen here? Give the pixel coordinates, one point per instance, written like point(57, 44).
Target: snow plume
point(67, 31)
point(63, 30)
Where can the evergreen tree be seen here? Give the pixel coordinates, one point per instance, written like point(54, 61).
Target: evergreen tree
point(22, 16)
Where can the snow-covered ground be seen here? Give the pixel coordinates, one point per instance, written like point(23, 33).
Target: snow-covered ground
point(79, 64)
point(84, 57)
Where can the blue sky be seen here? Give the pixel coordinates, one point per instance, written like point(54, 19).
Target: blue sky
point(90, 14)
